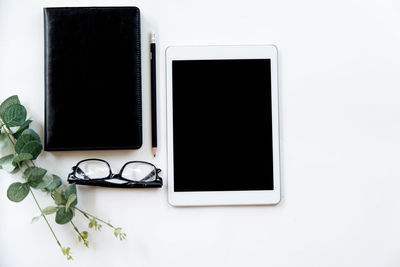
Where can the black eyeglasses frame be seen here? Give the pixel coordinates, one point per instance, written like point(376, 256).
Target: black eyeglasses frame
point(104, 183)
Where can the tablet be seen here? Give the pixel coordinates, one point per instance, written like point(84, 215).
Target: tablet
point(222, 125)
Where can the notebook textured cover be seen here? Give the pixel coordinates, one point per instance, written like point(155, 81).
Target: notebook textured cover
point(92, 78)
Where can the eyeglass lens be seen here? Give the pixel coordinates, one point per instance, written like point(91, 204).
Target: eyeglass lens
point(92, 169)
point(139, 171)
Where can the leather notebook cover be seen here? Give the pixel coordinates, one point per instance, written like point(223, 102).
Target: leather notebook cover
point(92, 78)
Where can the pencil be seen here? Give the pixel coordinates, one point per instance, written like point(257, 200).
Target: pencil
point(153, 94)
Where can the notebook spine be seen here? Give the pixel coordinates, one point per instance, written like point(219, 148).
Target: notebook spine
point(139, 77)
point(46, 75)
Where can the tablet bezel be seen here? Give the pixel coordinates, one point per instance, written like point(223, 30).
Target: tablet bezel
point(211, 198)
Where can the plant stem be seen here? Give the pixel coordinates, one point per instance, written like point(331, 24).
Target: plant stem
point(8, 135)
point(48, 224)
point(79, 233)
point(76, 229)
point(94, 217)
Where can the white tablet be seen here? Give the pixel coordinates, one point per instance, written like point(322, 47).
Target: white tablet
point(222, 125)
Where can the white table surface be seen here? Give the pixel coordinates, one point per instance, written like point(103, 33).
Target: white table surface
point(339, 64)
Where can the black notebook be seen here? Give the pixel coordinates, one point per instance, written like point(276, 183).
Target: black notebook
point(92, 78)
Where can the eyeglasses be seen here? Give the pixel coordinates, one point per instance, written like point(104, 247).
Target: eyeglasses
point(134, 174)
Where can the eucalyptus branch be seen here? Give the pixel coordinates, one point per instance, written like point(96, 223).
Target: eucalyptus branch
point(27, 147)
point(8, 132)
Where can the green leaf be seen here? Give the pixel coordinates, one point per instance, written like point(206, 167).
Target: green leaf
point(21, 157)
point(26, 136)
point(35, 177)
point(49, 210)
point(35, 219)
point(63, 215)
point(12, 100)
point(117, 231)
point(6, 163)
point(27, 172)
point(59, 196)
point(31, 133)
point(29, 142)
point(33, 147)
point(14, 115)
point(118, 234)
point(16, 170)
point(21, 142)
point(53, 185)
point(47, 180)
point(85, 234)
point(17, 192)
point(65, 251)
point(93, 223)
point(4, 142)
point(71, 199)
point(22, 128)
point(71, 189)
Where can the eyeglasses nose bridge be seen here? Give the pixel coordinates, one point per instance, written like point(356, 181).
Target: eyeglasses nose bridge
point(116, 175)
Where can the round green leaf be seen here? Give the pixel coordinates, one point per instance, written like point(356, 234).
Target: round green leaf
point(14, 115)
point(71, 189)
point(35, 177)
point(22, 128)
point(22, 141)
point(59, 197)
point(46, 180)
point(33, 147)
point(21, 157)
point(27, 172)
point(26, 136)
point(6, 163)
point(17, 192)
point(31, 133)
point(12, 100)
point(54, 184)
point(64, 216)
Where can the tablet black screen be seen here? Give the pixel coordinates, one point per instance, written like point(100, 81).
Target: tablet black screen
point(222, 125)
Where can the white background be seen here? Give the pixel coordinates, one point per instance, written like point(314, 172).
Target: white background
point(339, 65)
